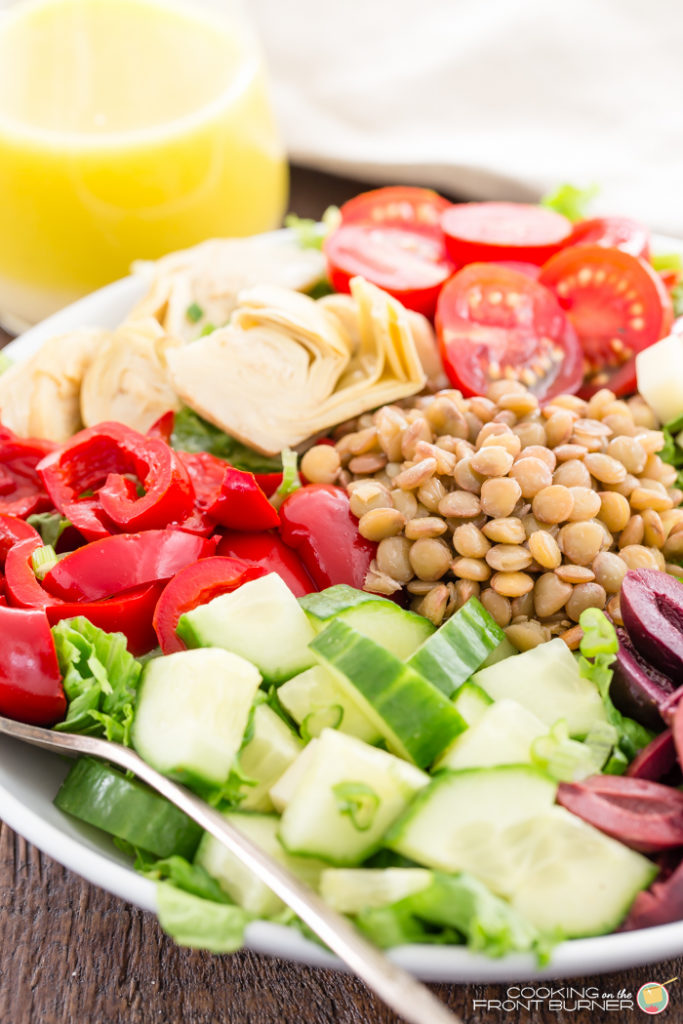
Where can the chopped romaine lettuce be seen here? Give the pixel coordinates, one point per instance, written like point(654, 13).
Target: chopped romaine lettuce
point(570, 201)
point(50, 526)
point(193, 434)
point(200, 923)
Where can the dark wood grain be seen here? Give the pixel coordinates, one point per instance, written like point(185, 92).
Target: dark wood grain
point(73, 954)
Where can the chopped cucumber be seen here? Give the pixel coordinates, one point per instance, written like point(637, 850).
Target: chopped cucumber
point(458, 648)
point(265, 757)
point(235, 879)
point(261, 621)
point(417, 721)
point(456, 823)
point(346, 799)
point(283, 790)
point(315, 697)
point(546, 681)
point(573, 878)
point(503, 735)
point(400, 632)
point(192, 711)
point(352, 890)
point(471, 702)
point(126, 808)
point(504, 650)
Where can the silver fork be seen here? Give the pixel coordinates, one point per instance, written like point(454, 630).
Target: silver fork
point(400, 990)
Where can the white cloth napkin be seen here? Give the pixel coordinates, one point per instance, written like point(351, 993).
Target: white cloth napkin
point(487, 98)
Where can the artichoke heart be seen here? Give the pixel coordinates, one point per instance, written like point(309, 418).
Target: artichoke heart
point(287, 367)
point(128, 378)
point(198, 287)
point(40, 397)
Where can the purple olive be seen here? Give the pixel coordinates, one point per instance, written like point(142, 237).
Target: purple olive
point(638, 690)
point(656, 760)
point(651, 605)
point(662, 903)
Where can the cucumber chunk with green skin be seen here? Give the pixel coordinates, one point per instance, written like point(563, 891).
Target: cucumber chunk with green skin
point(352, 890)
point(192, 711)
point(128, 809)
point(261, 621)
point(309, 695)
point(503, 735)
point(573, 878)
point(458, 648)
point(416, 720)
point(457, 822)
point(546, 680)
point(471, 702)
point(346, 799)
point(283, 790)
point(266, 756)
point(236, 880)
point(504, 650)
point(399, 631)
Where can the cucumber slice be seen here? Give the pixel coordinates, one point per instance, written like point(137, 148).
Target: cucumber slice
point(265, 757)
point(503, 735)
point(471, 702)
point(353, 890)
point(400, 632)
point(314, 697)
point(417, 721)
point(346, 799)
point(504, 650)
point(573, 878)
point(192, 710)
point(261, 621)
point(240, 884)
point(128, 809)
point(458, 648)
point(457, 822)
point(283, 790)
point(546, 681)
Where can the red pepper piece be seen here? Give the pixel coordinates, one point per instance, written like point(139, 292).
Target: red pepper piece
point(267, 551)
point(21, 489)
point(194, 585)
point(114, 564)
point(318, 523)
point(98, 459)
point(163, 427)
point(129, 613)
point(21, 586)
point(30, 680)
point(229, 496)
point(13, 530)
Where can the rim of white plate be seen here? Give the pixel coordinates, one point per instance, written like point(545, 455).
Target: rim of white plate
point(29, 779)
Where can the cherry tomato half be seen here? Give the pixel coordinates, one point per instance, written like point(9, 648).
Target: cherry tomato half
point(622, 381)
point(398, 206)
point(494, 323)
point(615, 233)
point(479, 232)
point(409, 265)
point(616, 302)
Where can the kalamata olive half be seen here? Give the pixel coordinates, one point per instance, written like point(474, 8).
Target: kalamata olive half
point(641, 814)
point(637, 689)
point(651, 605)
point(655, 760)
point(662, 903)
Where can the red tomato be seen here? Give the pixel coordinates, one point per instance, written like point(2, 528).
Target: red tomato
point(495, 323)
point(621, 381)
point(531, 270)
point(615, 233)
point(416, 209)
point(409, 265)
point(479, 232)
point(616, 302)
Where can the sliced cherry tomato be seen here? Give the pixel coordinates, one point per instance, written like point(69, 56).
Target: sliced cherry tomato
point(531, 270)
point(479, 232)
point(616, 302)
point(268, 552)
point(398, 206)
point(615, 233)
point(495, 323)
point(407, 264)
point(621, 381)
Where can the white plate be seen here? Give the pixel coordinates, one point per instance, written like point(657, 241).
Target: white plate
point(29, 779)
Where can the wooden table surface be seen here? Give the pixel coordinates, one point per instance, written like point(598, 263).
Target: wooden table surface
point(73, 954)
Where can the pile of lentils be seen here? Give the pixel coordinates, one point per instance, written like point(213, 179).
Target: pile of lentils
point(538, 512)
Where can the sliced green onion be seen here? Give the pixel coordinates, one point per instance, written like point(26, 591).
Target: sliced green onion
point(207, 329)
point(42, 560)
point(194, 313)
point(324, 718)
point(290, 477)
point(358, 801)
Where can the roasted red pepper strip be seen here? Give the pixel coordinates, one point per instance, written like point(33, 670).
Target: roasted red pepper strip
point(194, 585)
point(114, 564)
point(129, 613)
point(267, 551)
point(13, 530)
point(318, 523)
point(21, 489)
point(229, 496)
point(96, 459)
point(30, 680)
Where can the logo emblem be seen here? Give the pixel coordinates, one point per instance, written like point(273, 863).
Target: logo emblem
point(653, 997)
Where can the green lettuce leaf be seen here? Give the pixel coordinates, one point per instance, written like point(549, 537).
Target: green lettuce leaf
point(182, 874)
point(100, 679)
point(200, 923)
point(570, 201)
point(193, 434)
point(672, 451)
point(50, 526)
